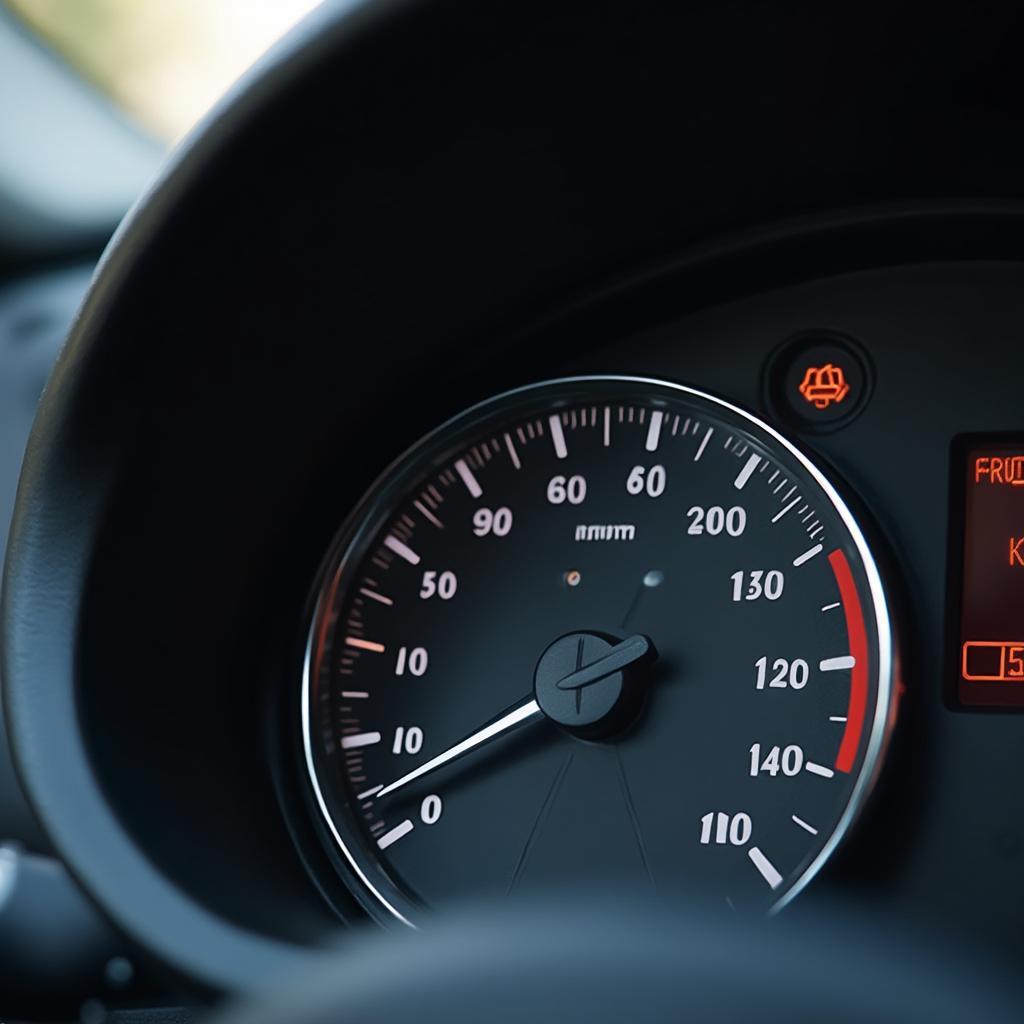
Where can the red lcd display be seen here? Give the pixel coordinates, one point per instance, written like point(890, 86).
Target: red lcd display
point(990, 656)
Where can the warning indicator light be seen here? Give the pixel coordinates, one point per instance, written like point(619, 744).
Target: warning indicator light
point(819, 380)
point(823, 386)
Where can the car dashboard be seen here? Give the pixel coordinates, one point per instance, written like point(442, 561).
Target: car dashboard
point(521, 455)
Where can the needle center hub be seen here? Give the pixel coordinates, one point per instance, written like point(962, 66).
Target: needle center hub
point(590, 683)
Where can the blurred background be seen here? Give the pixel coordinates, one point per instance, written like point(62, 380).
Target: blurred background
point(162, 62)
point(92, 95)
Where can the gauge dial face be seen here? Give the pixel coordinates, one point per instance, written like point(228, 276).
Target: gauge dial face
point(597, 630)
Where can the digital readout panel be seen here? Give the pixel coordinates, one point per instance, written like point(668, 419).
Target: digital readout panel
point(991, 651)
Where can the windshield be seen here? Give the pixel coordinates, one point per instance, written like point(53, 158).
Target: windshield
point(163, 64)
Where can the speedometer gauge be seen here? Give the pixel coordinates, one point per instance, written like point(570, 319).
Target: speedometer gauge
point(599, 629)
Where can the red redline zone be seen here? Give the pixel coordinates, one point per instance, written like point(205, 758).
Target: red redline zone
point(857, 635)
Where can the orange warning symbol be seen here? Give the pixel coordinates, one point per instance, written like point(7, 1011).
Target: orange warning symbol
point(823, 386)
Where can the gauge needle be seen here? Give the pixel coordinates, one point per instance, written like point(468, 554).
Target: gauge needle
point(516, 715)
point(622, 655)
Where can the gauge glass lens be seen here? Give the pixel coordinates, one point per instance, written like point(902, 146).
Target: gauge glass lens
point(597, 630)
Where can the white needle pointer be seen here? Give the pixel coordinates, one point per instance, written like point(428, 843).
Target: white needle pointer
point(509, 720)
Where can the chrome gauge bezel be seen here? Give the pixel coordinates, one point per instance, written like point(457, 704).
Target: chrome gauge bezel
point(393, 907)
